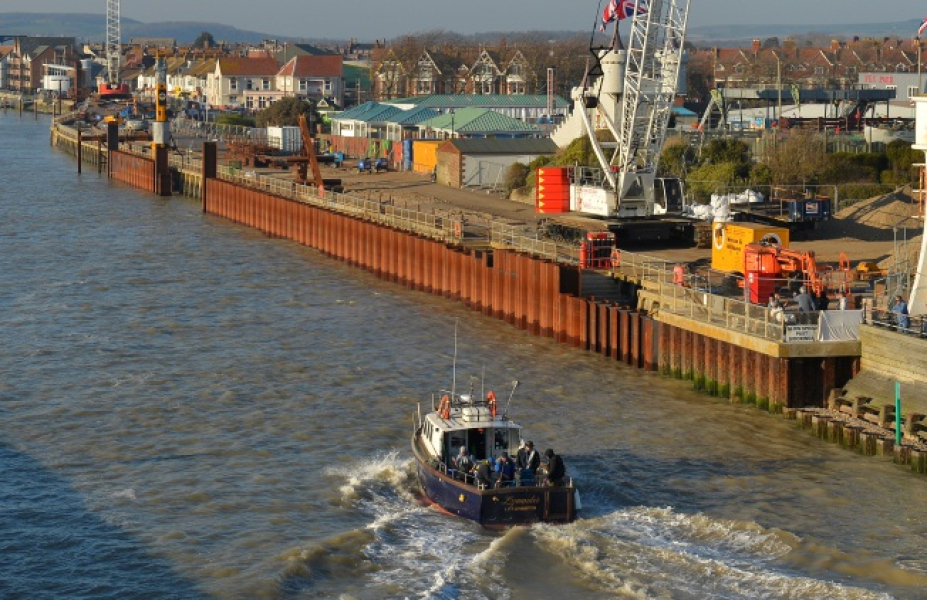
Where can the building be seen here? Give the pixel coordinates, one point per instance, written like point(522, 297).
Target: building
point(27, 60)
point(483, 163)
point(243, 82)
point(313, 77)
point(475, 122)
point(449, 71)
point(530, 108)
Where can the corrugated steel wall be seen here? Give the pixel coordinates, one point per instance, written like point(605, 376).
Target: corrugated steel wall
point(535, 295)
point(136, 171)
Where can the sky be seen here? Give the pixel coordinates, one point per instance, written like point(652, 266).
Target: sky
point(377, 19)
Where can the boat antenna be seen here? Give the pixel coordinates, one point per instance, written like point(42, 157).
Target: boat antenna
point(509, 401)
point(483, 383)
point(454, 366)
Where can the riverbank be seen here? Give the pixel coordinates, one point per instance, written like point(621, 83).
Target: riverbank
point(545, 298)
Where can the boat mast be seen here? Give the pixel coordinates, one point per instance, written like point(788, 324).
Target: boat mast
point(454, 366)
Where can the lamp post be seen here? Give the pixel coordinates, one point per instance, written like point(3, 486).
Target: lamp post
point(779, 87)
point(917, 45)
point(452, 122)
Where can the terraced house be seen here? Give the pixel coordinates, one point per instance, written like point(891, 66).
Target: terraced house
point(399, 74)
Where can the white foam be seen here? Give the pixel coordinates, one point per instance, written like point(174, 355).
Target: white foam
point(644, 552)
point(128, 494)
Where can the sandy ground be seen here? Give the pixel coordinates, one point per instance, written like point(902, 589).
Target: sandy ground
point(881, 230)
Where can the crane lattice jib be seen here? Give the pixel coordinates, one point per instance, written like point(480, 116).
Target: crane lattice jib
point(655, 51)
point(113, 41)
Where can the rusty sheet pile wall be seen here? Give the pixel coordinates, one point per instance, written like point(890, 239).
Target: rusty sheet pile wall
point(132, 169)
point(535, 295)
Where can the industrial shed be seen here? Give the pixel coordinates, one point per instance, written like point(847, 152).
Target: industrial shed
point(482, 163)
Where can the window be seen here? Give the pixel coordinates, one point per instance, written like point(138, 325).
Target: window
point(851, 71)
point(249, 85)
point(819, 70)
point(303, 85)
point(328, 85)
point(265, 84)
point(912, 91)
point(233, 84)
point(262, 102)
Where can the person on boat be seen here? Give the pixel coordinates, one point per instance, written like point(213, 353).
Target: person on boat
point(555, 469)
point(482, 473)
point(527, 464)
point(505, 470)
point(463, 462)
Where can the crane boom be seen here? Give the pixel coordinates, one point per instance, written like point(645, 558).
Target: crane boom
point(113, 88)
point(651, 78)
point(113, 41)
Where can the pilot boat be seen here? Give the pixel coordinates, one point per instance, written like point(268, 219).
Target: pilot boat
point(486, 432)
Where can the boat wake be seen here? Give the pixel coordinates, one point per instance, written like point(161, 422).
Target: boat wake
point(403, 548)
point(657, 553)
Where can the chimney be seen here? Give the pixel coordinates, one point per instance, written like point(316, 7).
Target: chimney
point(756, 46)
point(855, 38)
point(834, 45)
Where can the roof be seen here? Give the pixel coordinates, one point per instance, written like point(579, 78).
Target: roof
point(413, 116)
point(201, 68)
point(368, 112)
point(312, 65)
point(482, 101)
point(236, 65)
point(505, 146)
point(478, 120)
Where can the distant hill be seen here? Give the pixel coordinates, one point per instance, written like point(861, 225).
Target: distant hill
point(740, 35)
point(92, 27)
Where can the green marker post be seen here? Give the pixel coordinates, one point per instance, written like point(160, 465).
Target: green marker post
point(897, 413)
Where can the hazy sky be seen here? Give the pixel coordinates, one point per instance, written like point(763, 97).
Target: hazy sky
point(369, 19)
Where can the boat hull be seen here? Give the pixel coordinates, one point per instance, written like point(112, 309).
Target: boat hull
point(496, 507)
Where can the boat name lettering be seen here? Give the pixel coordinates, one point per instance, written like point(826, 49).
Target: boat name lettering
point(511, 503)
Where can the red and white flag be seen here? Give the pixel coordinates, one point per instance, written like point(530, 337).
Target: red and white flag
point(922, 28)
point(618, 10)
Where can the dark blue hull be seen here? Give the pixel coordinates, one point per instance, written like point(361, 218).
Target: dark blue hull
point(501, 507)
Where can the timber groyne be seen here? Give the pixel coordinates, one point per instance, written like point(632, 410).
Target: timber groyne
point(634, 312)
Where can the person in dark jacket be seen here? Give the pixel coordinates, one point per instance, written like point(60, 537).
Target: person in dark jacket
point(505, 470)
point(483, 474)
point(555, 469)
point(527, 464)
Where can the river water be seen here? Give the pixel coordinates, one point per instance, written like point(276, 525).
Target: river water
point(191, 409)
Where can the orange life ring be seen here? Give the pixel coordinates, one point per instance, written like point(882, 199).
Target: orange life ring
point(491, 400)
point(444, 409)
point(458, 230)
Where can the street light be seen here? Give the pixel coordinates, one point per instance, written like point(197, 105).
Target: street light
point(779, 87)
point(452, 122)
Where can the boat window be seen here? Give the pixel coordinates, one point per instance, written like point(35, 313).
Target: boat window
point(477, 444)
point(500, 442)
point(456, 440)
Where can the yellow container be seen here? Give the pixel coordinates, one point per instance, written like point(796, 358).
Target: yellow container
point(728, 241)
point(425, 155)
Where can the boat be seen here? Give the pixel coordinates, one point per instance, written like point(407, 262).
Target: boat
point(487, 432)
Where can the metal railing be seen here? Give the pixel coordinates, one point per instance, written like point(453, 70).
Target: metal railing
point(502, 234)
point(902, 324)
point(432, 226)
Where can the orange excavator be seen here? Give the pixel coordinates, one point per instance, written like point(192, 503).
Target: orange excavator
point(767, 265)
